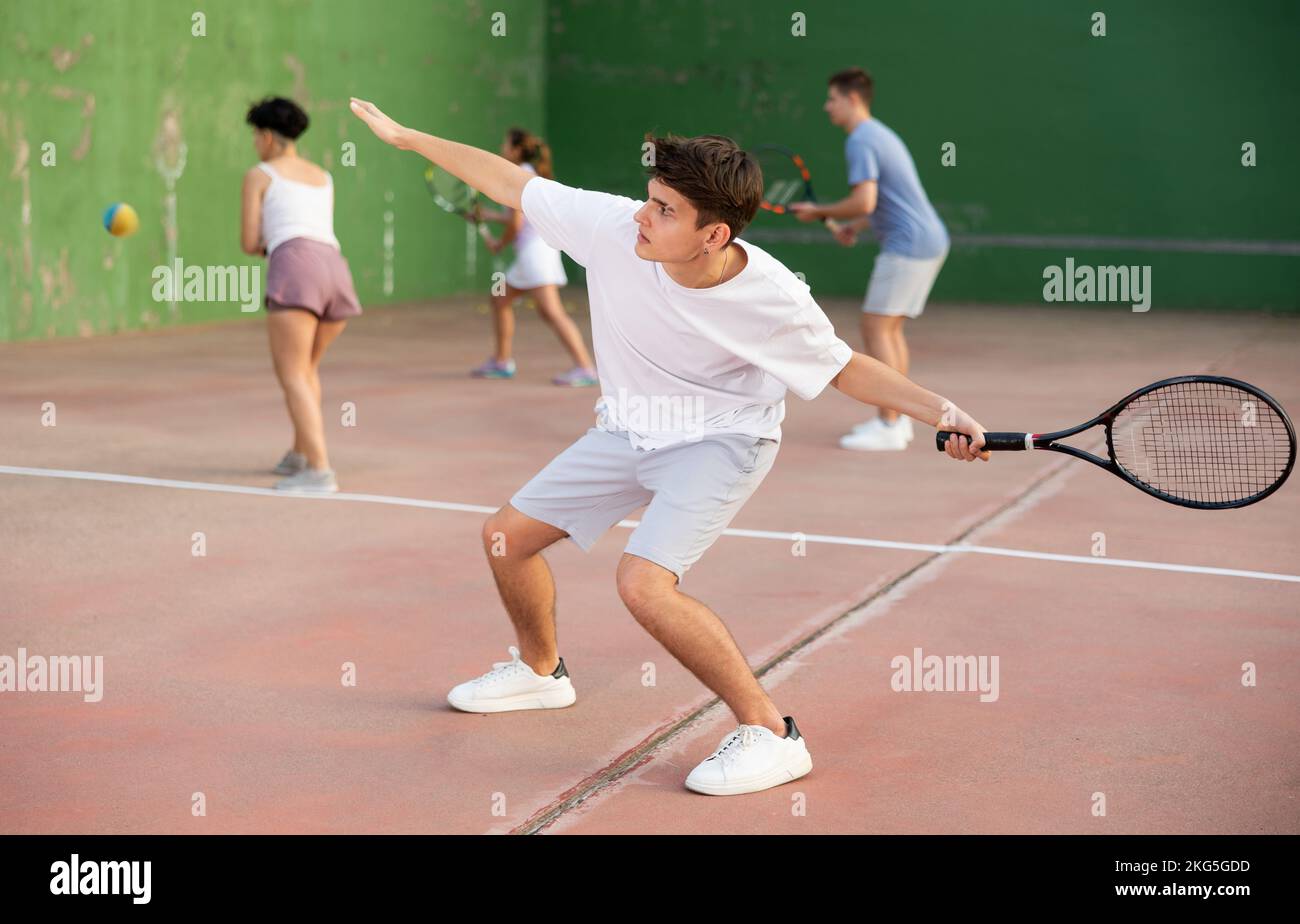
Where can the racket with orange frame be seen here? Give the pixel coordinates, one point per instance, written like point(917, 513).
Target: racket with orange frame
point(786, 179)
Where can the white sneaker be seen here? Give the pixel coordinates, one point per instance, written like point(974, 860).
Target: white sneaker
point(512, 685)
point(291, 464)
point(310, 481)
point(875, 422)
point(882, 436)
point(751, 759)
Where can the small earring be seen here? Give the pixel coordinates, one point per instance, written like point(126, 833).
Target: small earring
point(706, 251)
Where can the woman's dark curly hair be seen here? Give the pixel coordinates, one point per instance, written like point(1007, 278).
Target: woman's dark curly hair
point(280, 115)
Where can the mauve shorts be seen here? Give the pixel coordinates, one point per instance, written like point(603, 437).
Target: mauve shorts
point(303, 273)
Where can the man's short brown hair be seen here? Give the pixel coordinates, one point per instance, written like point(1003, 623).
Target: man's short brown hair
point(854, 80)
point(724, 183)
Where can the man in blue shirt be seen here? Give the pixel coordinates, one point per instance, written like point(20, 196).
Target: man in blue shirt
point(886, 193)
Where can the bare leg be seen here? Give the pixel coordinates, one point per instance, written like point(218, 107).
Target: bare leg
point(552, 310)
point(326, 332)
point(299, 444)
point(879, 341)
point(901, 353)
point(503, 324)
point(695, 636)
point(293, 333)
point(514, 543)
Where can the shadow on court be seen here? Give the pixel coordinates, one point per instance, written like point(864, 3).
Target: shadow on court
point(222, 671)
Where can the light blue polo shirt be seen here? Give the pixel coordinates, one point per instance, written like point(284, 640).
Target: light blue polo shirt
point(904, 220)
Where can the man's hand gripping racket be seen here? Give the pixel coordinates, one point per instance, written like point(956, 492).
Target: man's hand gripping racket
point(964, 434)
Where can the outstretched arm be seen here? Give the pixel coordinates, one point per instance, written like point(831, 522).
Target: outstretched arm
point(860, 202)
point(872, 382)
point(490, 174)
point(496, 216)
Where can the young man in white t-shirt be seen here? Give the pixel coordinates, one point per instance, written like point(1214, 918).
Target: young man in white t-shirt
point(698, 335)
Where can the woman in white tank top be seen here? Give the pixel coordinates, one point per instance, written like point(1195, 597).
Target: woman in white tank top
point(288, 216)
point(536, 271)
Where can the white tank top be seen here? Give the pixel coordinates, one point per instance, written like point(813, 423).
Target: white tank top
point(292, 209)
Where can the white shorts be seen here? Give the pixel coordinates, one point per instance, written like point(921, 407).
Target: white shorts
point(900, 285)
point(536, 264)
point(693, 490)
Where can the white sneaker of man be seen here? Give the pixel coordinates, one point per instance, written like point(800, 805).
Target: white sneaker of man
point(875, 434)
point(876, 422)
point(750, 759)
point(512, 685)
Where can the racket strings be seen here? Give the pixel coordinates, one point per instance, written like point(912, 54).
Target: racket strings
point(782, 192)
point(451, 193)
point(784, 178)
point(1205, 442)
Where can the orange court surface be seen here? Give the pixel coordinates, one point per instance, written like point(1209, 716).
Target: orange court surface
point(141, 528)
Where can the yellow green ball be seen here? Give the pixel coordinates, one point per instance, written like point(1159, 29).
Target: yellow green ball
point(121, 219)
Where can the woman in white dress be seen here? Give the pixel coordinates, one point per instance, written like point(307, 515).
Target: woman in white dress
point(536, 271)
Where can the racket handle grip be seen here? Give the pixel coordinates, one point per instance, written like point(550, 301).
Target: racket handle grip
point(996, 441)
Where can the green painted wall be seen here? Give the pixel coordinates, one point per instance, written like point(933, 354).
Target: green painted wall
point(1059, 135)
point(100, 78)
point(1136, 134)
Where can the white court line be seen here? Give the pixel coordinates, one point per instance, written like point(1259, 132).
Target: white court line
point(240, 489)
point(744, 533)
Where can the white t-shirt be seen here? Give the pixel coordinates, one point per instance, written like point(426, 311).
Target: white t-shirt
point(677, 363)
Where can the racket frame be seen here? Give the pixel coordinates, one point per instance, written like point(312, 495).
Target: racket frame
point(469, 214)
point(804, 174)
point(1012, 441)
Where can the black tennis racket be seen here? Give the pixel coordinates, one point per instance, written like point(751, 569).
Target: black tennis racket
point(1200, 441)
point(454, 196)
point(786, 179)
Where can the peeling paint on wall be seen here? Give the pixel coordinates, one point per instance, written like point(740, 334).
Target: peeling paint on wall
point(169, 156)
point(87, 99)
point(64, 58)
point(127, 98)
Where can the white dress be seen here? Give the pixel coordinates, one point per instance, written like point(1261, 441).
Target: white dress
point(536, 262)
